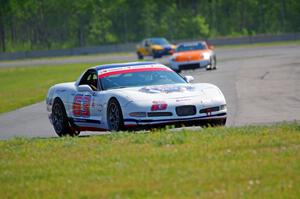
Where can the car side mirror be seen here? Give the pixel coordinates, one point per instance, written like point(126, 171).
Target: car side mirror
point(84, 88)
point(189, 78)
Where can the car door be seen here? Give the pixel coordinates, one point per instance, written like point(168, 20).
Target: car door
point(83, 107)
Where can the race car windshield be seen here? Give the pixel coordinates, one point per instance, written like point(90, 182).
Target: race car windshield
point(159, 41)
point(136, 79)
point(198, 46)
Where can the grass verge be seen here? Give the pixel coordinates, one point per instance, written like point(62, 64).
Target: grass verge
point(21, 86)
point(103, 55)
point(244, 162)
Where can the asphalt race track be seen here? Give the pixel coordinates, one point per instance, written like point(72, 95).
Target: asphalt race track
point(261, 85)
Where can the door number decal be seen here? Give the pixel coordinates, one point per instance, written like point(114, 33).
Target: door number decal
point(81, 105)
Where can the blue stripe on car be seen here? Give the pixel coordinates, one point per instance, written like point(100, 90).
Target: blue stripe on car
point(84, 120)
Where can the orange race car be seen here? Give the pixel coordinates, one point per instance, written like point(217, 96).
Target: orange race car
point(193, 55)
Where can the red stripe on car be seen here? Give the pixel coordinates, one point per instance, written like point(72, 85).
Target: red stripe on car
point(133, 70)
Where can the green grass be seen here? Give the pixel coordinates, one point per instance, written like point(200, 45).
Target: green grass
point(248, 162)
point(21, 86)
point(70, 57)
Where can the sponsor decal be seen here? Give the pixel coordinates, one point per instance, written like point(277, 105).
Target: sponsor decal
point(183, 100)
point(81, 105)
point(159, 105)
point(166, 89)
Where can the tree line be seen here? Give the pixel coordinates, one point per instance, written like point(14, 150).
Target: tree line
point(56, 24)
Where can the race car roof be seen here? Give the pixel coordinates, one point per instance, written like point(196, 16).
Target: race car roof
point(190, 43)
point(114, 69)
point(119, 65)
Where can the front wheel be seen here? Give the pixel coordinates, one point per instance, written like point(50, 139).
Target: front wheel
point(156, 54)
point(140, 56)
point(213, 63)
point(60, 120)
point(114, 116)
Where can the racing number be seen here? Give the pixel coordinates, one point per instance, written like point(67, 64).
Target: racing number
point(77, 105)
point(81, 105)
point(86, 106)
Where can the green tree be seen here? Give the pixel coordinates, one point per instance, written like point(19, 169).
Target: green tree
point(52, 24)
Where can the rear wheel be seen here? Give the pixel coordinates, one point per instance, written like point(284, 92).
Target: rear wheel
point(60, 120)
point(114, 116)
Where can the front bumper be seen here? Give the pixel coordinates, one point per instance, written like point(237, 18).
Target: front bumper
point(189, 64)
point(186, 121)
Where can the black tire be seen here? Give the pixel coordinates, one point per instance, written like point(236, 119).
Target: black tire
point(60, 120)
point(213, 63)
point(114, 116)
point(155, 54)
point(140, 56)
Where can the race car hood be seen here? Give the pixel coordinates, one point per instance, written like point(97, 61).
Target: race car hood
point(204, 92)
point(190, 55)
point(157, 47)
point(160, 47)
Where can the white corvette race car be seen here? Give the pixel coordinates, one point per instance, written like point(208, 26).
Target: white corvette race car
point(131, 96)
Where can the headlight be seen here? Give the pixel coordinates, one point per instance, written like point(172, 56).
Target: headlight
point(213, 109)
point(206, 55)
point(222, 107)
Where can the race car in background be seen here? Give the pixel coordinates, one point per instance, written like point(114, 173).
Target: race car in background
point(155, 47)
point(193, 55)
point(130, 96)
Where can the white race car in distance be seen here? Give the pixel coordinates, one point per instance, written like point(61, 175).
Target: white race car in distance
point(130, 96)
